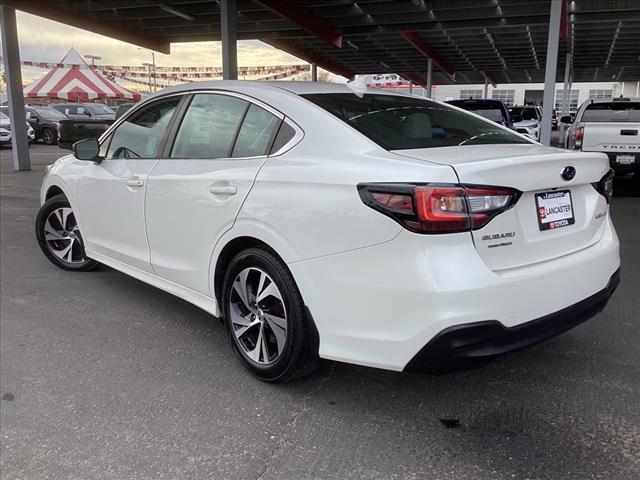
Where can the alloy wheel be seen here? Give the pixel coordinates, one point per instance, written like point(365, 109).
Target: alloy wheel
point(48, 137)
point(258, 316)
point(63, 237)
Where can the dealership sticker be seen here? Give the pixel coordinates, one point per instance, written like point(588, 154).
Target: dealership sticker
point(554, 209)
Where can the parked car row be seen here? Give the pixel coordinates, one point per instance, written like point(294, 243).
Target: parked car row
point(6, 132)
point(45, 122)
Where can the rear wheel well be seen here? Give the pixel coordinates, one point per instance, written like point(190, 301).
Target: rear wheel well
point(229, 251)
point(53, 191)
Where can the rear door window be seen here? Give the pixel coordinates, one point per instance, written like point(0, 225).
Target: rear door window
point(256, 133)
point(209, 126)
point(612, 112)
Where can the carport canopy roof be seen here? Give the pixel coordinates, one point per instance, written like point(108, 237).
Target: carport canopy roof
point(468, 40)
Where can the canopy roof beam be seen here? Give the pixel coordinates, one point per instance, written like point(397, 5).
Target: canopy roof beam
point(304, 20)
point(427, 51)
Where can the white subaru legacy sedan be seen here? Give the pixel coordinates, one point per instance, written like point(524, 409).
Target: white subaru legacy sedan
point(320, 221)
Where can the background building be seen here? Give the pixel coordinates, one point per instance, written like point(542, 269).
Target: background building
point(510, 94)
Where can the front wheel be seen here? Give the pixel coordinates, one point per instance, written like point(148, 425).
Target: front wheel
point(59, 236)
point(49, 137)
point(266, 318)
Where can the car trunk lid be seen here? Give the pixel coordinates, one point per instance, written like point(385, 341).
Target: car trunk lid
point(515, 237)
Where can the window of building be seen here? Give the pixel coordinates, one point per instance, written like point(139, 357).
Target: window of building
point(505, 95)
point(466, 94)
point(573, 100)
point(600, 93)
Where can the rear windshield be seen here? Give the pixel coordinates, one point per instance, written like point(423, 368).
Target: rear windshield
point(487, 110)
point(612, 112)
point(398, 123)
point(525, 113)
point(97, 109)
point(495, 115)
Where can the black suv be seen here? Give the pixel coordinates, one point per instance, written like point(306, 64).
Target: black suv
point(85, 111)
point(45, 122)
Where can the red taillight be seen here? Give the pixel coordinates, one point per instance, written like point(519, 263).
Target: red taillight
point(578, 137)
point(394, 201)
point(438, 208)
point(441, 209)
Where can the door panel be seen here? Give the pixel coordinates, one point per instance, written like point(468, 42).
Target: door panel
point(190, 203)
point(112, 193)
point(113, 211)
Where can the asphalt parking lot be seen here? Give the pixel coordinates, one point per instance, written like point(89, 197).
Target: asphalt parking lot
point(104, 377)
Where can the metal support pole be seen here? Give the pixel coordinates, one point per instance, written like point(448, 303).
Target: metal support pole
point(155, 81)
point(410, 87)
point(11, 55)
point(429, 77)
point(566, 93)
point(229, 31)
point(550, 71)
point(486, 88)
point(314, 72)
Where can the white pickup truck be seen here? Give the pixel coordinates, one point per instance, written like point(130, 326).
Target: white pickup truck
point(611, 126)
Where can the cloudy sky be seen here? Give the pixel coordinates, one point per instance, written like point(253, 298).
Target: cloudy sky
point(42, 40)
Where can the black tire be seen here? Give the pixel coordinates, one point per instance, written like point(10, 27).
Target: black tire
point(77, 259)
point(49, 136)
point(299, 356)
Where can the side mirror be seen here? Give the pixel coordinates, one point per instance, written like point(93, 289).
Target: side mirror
point(566, 119)
point(87, 149)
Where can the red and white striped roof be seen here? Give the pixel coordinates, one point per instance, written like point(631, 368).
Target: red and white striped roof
point(77, 82)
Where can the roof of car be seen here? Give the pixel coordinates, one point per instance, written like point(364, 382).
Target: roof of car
point(615, 99)
point(463, 101)
point(299, 88)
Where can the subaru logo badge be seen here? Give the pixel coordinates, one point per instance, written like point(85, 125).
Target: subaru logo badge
point(569, 173)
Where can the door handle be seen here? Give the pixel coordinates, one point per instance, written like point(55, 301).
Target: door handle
point(223, 189)
point(134, 182)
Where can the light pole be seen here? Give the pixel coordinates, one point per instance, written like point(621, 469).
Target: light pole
point(93, 58)
point(149, 66)
point(153, 64)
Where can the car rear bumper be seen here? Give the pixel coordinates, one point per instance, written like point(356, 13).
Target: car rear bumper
point(379, 306)
point(461, 347)
point(624, 168)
